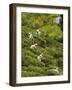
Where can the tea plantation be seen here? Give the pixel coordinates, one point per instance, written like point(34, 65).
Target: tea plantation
point(49, 44)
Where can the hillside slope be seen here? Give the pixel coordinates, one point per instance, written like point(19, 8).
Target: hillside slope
point(49, 44)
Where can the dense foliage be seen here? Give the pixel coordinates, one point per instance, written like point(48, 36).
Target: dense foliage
point(49, 42)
